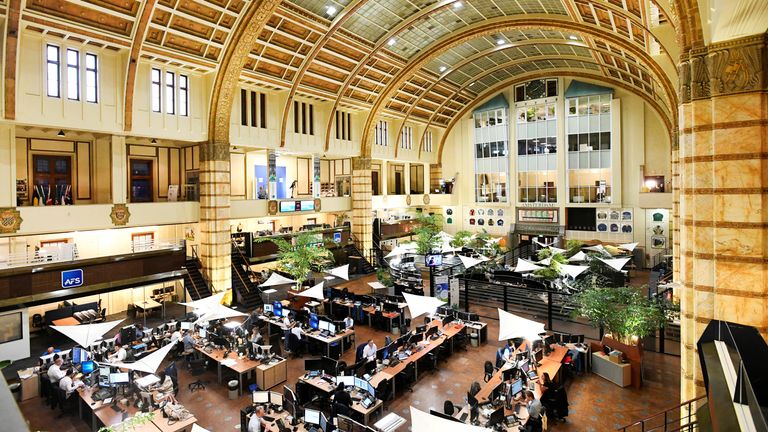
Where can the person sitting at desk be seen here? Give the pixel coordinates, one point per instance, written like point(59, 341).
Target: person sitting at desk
point(55, 373)
point(534, 423)
point(349, 322)
point(256, 336)
point(287, 324)
point(119, 355)
point(163, 390)
point(509, 351)
point(342, 401)
point(139, 331)
point(297, 331)
point(553, 398)
point(49, 351)
point(369, 352)
point(189, 343)
point(257, 423)
point(68, 384)
point(175, 336)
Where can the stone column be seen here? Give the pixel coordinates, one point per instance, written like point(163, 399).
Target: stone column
point(215, 246)
point(316, 176)
point(362, 217)
point(8, 166)
point(721, 160)
point(435, 174)
point(119, 170)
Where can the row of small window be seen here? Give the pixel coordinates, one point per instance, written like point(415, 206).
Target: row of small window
point(536, 113)
point(381, 133)
point(258, 108)
point(589, 141)
point(588, 105)
point(406, 138)
point(547, 145)
point(303, 118)
point(490, 118)
point(173, 83)
point(489, 150)
point(73, 76)
point(343, 125)
point(491, 187)
point(427, 146)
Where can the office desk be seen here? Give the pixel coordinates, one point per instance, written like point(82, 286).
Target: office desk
point(180, 426)
point(243, 366)
point(68, 321)
point(327, 388)
point(101, 414)
point(328, 341)
point(480, 329)
point(347, 306)
point(271, 425)
point(147, 305)
point(30, 383)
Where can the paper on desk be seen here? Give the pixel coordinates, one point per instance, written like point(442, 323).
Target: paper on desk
point(228, 362)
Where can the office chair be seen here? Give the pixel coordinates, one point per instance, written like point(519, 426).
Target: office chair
point(489, 371)
point(384, 392)
point(404, 329)
point(449, 408)
point(499, 358)
point(196, 368)
point(406, 377)
point(359, 352)
point(387, 340)
point(67, 405)
point(460, 341)
point(295, 345)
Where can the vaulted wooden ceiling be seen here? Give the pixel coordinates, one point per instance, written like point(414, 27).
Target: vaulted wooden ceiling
point(355, 53)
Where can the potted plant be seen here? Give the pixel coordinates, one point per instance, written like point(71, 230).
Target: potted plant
point(428, 226)
point(461, 239)
point(301, 255)
point(130, 424)
point(382, 274)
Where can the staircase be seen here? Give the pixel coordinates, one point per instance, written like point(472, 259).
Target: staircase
point(248, 294)
point(351, 250)
point(679, 418)
point(194, 281)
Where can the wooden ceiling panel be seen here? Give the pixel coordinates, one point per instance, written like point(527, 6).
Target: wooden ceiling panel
point(213, 53)
point(195, 28)
point(199, 10)
point(185, 45)
point(129, 7)
point(161, 17)
point(227, 21)
point(270, 69)
point(328, 72)
point(82, 15)
point(155, 35)
point(334, 60)
point(321, 84)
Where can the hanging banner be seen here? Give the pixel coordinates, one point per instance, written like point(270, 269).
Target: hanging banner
point(455, 296)
point(441, 288)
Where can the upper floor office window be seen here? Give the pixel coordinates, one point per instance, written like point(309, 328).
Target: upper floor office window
point(176, 96)
point(155, 93)
point(53, 70)
point(183, 95)
point(381, 136)
point(73, 74)
point(406, 138)
point(91, 78)
point(253, 109)
point(170, 93)
point(343, 125)
point(427, 144)
point(303, 118)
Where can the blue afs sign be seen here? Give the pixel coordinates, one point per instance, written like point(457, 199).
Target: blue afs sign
point(72, 278)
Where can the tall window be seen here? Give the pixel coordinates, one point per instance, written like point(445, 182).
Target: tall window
point(406, 138)
point(381, 133)
point(244, 107)
point(303, 118)
point(263, 110)
point(589, 148)
point(343, 125)
point(73, 74)
point(156, 75)
point(53, 70)
point(253, 109)
point(427, 144)
point(183, 95)
point(491, 155)
point(91, 78)
point(537, 150)
point(170, 93)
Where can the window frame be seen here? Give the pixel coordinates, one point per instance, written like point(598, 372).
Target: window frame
point(57, 64)
point(156, 90)
point(170, 92)
point(95, 72)
point(183, 95)
point(76, 75)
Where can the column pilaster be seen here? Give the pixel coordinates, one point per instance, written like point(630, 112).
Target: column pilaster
point(7, 165)
point(362, 214)
point(215, 246)
point(435, 174)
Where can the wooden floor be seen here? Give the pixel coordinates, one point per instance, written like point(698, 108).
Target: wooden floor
point(595, 404)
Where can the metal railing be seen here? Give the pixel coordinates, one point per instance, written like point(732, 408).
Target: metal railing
point(678, 418)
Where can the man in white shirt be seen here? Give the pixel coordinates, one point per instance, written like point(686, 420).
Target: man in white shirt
point(55, 373)
point(68, 384)
point(369, 352)
point(119, 355)
point(175, 336)
point(287, 325)
point(296, 330)
point(257, 424)
point(349, 322)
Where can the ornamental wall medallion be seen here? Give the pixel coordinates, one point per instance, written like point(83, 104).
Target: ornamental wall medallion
point(317, 204)
point(10, 220)
point(272, 207)
point(408, 199)
point(426, 198)
point(120, 214)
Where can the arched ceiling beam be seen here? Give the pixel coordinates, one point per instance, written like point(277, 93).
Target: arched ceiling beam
point(381, 43)
point(139, 34)
point(241, 41)
point(13, 15)
point(498, 25)
point(340, 19)
point(543, 74)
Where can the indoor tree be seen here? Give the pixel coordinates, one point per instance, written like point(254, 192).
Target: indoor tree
point(427, 228)
point(461, 239)
point(299, 255)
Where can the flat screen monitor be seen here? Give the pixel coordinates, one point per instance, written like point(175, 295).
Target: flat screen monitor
point(118, 378)
point(203, 333)
point(312, 417)
point(289, 395)
point(383, 353)
point(88, 366)
point(313, 364)
point(549, 340)
point(332, 328)
point(391, 307)
point(431, 331)
point(104, 370)
point(447, 320)
point(313, 321)
point(517, 387)
point(497, 417)
point(186, 325)
point(421, 329)
point(417, 337)
point(323, 423)
point(524, 366)
point(329, 365)
point(260, 397)
point(348, 381)
point(538, 355)
point(276, 398)
point(268, 308)
point(369, 388)
point(278, 308)
point(127, 334)
point(433, 260)
point(361, 383)
point(79, 355)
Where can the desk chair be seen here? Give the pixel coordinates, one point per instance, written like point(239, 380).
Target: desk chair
point(460, 341)
point(489, 371)
point(295, 345)
point(67, 405)
point(384, 392)
point(449, 408)
point(499, 358)
point(387, 340)
point(359, 352)
point(405, 379)
point(196, 368)
point(47, 390)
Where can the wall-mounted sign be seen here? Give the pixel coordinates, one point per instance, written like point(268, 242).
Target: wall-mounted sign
point(297, 206)
point(537, 215)
point(337, 237)
point(72, 278)
point(120, 214)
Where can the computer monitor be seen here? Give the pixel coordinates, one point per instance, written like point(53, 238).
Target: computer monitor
point(332, 328)
point(312, 416)
point(329, 365)
point(549, 340)
point(314, 364)
point(79, 355)
point(497, 417)
point(538, 355)
point(391, 307)
point(87, 367)
point(507, 374)
point(421, 329)
point(473, 317)
point(383, 353)
point(416, 338)
point(433, 260)
point(119, 378)
point(348, 381)
point(127, 334)
point(268, 308)
point(289, 395)
point(447, 320)
point(313, 321)
point(361, 383)
point(186, 325)
point(517, 387)
point(260, 397)
point(524, 366)
point(323, 423)
point(323, 325)
point(370, 389)
point(431, 331)
point(275, 398)
point(104, 370)
point(277, 307)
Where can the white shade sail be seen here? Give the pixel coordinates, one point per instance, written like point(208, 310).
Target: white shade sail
point(277, 279)
point(425, 422)
point(402, 249)
point(616, 263)
point(446, 247)
point(598, 248)
point(628, 246)
point(207, 302)
point(218, 311)
point(444, 236)
point(196, 428)
point(512, 326)
point(542, 244)
point(86, 334)
point(340, 272)
point(470, 262)
point(572, 270)
point(525, 266)
point(316, 292)
point(545, 261)
point(578, 256)
point(419, 305)
point(556, 250)
point(149, 363)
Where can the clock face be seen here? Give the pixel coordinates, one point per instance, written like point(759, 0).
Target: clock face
point(536, 89)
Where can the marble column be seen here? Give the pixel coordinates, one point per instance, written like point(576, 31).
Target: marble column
point(215, 246)
point(362, 192)
point(721, 233)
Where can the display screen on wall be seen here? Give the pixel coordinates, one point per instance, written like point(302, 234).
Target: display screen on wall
point(297, 206)
point(10, 327)
point(287, 206)
point(537, 215)
point(307, 205)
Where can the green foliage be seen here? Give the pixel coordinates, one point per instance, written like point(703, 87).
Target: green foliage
point(428, 226)
point(131, 423)
point(300, 256)
point(544, 253)
point(552, 271)
point(623, 312)
point(461, 239)
point(573, 247)
point(384, 277)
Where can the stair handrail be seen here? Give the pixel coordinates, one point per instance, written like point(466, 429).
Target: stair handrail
point(245, 260)
point(237, 272)
point(194, 286)
point(687, 403)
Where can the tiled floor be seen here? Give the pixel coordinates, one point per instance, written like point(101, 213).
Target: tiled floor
point(596, 404)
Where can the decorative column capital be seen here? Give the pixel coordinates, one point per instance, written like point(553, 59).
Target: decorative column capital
point(361, 163)
point(214, 150)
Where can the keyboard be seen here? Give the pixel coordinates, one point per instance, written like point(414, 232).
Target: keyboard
point(463, 417)
point(269, 419)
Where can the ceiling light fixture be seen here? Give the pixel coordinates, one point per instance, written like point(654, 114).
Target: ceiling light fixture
point(472, 83)
point(572, 37)
point(500, 41)
point(443, 68)
point(61, 133)
point(330, 11)
point(391, 42)
point(458, 5)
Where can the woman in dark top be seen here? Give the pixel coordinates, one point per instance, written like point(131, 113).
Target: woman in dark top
point(342, 401)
